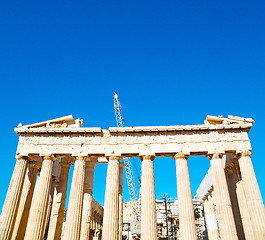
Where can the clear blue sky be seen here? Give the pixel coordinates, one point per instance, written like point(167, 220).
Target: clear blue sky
point(171, 63)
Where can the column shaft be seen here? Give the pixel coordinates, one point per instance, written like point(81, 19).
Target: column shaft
point(57, 215)
point(25, 202)
point(75, 206)
point(231, 178)
point(111, 204)
point(49, 208)
point(185, 202)
point(38, 210)
point(148, 202)
point(211, 220)
point(224, 212)
point(243, 208)
point(253, 195)
point(10, 208)
point(87, 202)
point(121, 202)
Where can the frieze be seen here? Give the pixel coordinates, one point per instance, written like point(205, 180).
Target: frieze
point(190, 137)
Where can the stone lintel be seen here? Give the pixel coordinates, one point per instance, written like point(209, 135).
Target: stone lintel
point(91, 130)
point(175, 128)
point(137, 141)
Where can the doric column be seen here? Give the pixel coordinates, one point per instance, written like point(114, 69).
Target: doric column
point(120, 201)
point(57, 215)
point(50, 203)
point(148, 201)
point(231, 179)
point(111, 204)
point(25, 202)
point(92, 224)
point(185, 202)
point(97, 224)
point(10, 208)
point(87, 202)
point(38, 210)
point(243, 208)
point(224, 212)
point(210, 219)
point(75, 206)
point(252, 193)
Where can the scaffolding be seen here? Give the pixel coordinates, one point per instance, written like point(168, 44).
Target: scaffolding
point(168, 218)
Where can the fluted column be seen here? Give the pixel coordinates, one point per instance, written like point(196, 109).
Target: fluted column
point(243, 208)
point(148, 201)
point(57, 215)
point(25, 202)
point(10, 208)
point(121, 201)
point(224, 212)
point(49, 208)
point(253, 195)
point(92, 224)
point(87, 202)
point(111, 204)
point(211, 220)
point(38, 210)
point(75, 206)
point(231, 179)
point(185, 202)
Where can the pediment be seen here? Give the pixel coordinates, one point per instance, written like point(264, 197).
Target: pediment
point(62, 122)
point(213, 120)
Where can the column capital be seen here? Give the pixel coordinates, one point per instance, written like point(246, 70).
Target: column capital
point(113, 157)
point(181, 155)
point(20, 157)
point(79, 157)
point(215, 155)
point(49, 157)
point(147, 157)
point(244, 153)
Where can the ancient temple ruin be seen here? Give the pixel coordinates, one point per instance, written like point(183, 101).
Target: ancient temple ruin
point(47, 149)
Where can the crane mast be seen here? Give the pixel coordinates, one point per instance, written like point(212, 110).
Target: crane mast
point(127, 161)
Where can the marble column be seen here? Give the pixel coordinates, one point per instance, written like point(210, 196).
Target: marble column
point(97, 228)
point(38, 210)
point(10, 208)
point(148, 201)
point(211, 220)
point(185, 202)
point(224, 212)
point(25, 202)
point(111, 204)
point(253, 195)
point(57, 215)
point(87, 202)
point(75, 206)
point(243, 208)
point(121, 201)
point(231, 179)
point(50, 203)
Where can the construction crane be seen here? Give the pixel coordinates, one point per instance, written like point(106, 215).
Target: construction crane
point(127, 161)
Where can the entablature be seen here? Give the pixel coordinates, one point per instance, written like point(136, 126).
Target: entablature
point(215, 135)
